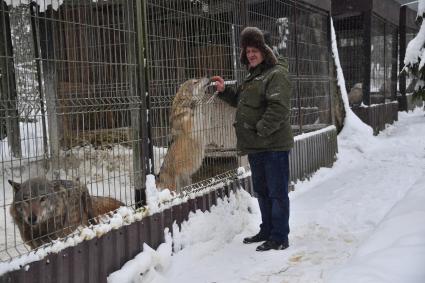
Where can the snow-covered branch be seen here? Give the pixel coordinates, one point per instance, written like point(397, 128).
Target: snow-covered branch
point(414, 59)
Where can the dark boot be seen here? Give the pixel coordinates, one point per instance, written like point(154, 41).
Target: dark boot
point(272, 245)
point(255, 239)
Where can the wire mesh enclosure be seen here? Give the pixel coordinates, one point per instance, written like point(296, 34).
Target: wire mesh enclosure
point(301, 34)
point(350, 38)
point(71, 112)
point(384, 44)
point(95, 95)
point(188, 39)
point(367, 37)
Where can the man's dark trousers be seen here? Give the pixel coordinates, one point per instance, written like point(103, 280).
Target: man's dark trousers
point(270, 176)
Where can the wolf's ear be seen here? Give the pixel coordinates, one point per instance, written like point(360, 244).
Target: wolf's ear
point(16, 186)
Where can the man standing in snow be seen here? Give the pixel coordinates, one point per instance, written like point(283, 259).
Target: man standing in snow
point(264, 132)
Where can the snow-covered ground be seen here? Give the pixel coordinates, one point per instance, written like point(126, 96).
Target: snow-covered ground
point(361, 221)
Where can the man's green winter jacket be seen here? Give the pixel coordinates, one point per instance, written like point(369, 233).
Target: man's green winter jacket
point(263, 108)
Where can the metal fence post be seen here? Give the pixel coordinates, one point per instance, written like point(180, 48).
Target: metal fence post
point(38, 59)
point(297, 68)
point(331, 85)
point(402, 78)
point(385, 61)
point(141, 151)
point(367, 27)
point(394, 70)
point(8, 94)
point(48, 43)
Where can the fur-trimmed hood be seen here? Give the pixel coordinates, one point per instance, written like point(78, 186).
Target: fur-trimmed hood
point(254, 37)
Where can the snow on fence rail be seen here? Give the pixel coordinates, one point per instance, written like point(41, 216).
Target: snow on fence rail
point(379, 115)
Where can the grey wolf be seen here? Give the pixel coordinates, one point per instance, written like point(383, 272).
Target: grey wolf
point(45, 210)
point(187, 148)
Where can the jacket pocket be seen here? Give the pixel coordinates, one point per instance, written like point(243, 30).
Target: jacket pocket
point(249, 115)
point(247, 137)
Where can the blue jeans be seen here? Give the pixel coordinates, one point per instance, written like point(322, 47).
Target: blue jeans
point(270, 176)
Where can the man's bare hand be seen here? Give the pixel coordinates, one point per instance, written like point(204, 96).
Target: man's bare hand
point(219, 83)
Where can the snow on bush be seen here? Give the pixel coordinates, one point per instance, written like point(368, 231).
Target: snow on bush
point(414, 59)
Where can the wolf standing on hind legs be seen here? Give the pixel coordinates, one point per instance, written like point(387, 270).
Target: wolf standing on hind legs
point(187, 149)
point(264, 132)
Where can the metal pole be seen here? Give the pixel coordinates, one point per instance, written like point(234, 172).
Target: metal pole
point(235, 63)
point(385, 61)
point(38, 59)
point(47, 30)
point(297, 68)
point(330, 67)
point(394, 70)
point(367, 26)
point(141, 153)
point(9, 95)
point(402, 78)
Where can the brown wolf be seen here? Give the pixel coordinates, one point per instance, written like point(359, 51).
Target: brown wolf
point(103, 205)
point(186, 151)
point(46, 210)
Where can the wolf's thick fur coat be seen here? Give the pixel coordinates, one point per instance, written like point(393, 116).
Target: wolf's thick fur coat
point(46, 210)
point(187, 149)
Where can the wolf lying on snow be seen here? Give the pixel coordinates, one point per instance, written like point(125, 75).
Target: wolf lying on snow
point(46, 210)
point(187, 149)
